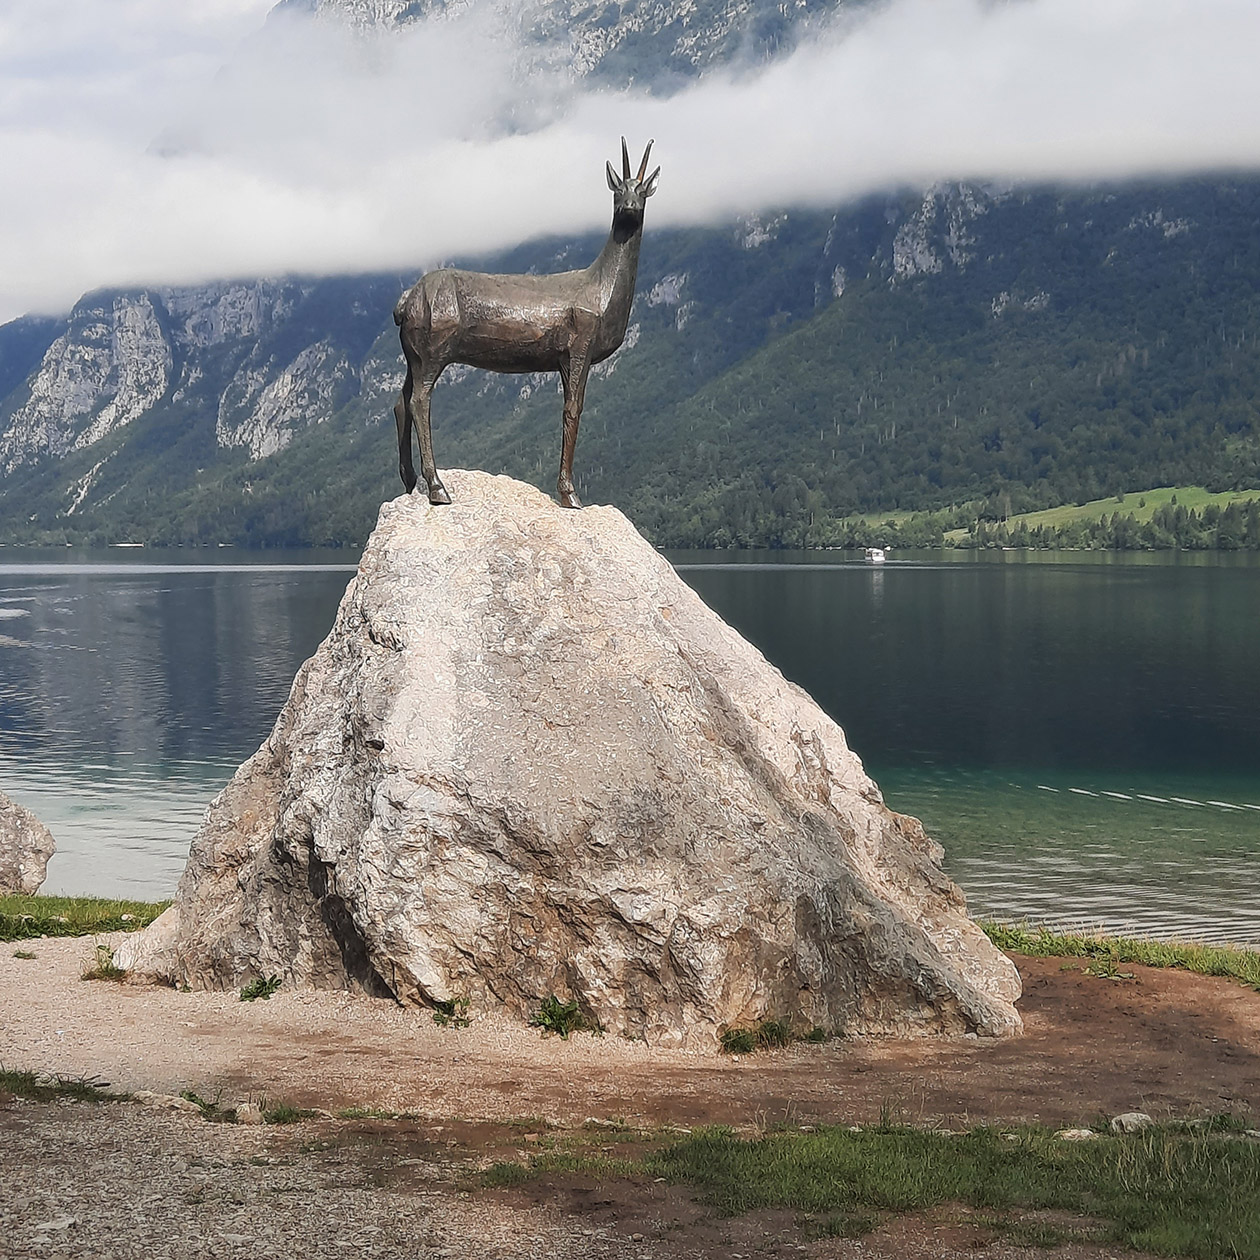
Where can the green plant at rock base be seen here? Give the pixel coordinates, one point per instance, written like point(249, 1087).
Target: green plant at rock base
point(263, 987)
point(774, 1033)
point(452, 1014)
point(738, 1041)
point(770, 1034)
point(210, 1110)
point(563, 1018)
point(24, 917)
point(42, 1087)
point(101, 966)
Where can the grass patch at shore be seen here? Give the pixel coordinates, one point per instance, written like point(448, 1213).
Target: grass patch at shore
point(1208, 960)
point(1166, 1190)
point(24, 917)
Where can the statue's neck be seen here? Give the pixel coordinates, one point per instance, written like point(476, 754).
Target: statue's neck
point(618, 262)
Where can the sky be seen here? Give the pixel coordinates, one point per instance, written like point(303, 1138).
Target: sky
point(150, 142)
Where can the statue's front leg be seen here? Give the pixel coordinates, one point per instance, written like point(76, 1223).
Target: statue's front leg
point(573, 377)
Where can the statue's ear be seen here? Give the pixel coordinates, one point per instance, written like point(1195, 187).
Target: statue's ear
point(650, 187)
point(613, 182)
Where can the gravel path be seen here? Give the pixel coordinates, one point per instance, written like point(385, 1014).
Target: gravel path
point(109, 1181)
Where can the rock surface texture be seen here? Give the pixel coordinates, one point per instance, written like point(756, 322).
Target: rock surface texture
point(529, 760)
point(25, 847)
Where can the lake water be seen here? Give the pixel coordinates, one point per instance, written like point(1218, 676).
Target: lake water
point(1082, 736)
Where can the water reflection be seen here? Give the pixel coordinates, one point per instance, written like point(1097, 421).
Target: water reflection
point(129, 693)
point(1084, 738)
point(1087, 665)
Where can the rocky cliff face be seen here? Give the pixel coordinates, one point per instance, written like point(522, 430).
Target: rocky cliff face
point(248, 355)
point(110, 366)
point(528, 760)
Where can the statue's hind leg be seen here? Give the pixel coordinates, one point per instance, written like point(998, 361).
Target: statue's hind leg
point(421, 389)
point(406, 469)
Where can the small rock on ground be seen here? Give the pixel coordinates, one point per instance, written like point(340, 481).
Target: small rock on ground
point(1131, 1122)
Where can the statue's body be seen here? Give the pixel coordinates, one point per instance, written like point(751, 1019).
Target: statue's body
point(559, 323)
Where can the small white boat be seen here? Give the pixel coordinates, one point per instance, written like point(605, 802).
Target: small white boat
point(875, 555)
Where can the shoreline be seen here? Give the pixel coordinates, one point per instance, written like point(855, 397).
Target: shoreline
point(32, 916)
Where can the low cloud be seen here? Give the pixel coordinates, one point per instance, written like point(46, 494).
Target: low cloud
point(180, 143)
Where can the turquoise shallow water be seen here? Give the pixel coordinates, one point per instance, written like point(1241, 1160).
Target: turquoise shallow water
point(1083, 737)
point(1146, 854)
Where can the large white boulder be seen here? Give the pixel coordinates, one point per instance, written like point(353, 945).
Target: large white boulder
point(25, 847)
point(529, 760)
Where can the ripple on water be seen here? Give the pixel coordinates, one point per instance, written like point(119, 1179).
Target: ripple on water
point(1116, 858)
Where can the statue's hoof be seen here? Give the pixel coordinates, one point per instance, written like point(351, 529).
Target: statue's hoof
point(438, 495)
point(569, 499)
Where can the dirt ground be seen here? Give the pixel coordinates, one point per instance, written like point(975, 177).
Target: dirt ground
point(1165, 1042)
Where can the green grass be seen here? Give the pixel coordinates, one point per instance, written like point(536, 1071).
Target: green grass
point(1174, 1192)
point(507, 1174)
point(452, 1014)
point(41, 1087)
point(283, 1113)
point(272, 1112)
point(23, 917)
point(210, 1110)
point(1106, 952)
point(770, 1034)
point(101, 966)
point(1142, 504)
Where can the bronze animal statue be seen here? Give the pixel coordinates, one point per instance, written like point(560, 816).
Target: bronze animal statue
point(557, 323)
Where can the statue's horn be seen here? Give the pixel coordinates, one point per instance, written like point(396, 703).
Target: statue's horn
point(625, 159)
point(643, 164)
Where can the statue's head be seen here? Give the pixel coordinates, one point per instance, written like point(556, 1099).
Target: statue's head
point(630, 192)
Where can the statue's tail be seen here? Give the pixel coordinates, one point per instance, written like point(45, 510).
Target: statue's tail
point(399, 308)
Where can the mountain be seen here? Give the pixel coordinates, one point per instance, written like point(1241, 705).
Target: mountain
point(1011, 348)
point(659, 43)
